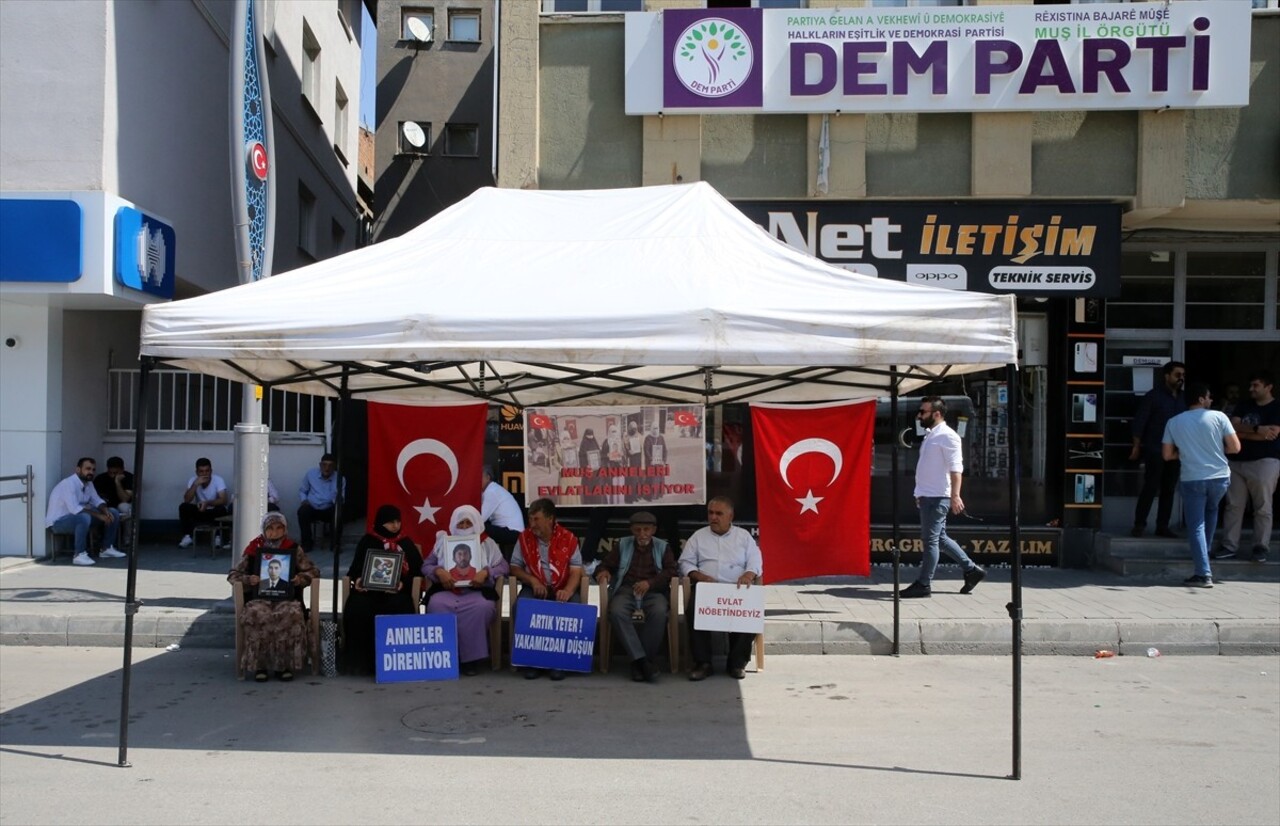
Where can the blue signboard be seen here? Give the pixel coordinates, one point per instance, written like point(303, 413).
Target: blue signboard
point(41, 240)
point(552, 634)
point(415, 647)
point(146, 252)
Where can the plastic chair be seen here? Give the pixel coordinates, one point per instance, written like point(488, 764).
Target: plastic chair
point(313, 620)
point(605, 637)
point(686, 593)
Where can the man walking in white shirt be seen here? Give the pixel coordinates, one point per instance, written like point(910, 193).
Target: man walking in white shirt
point(939, 474)
point(73, 507)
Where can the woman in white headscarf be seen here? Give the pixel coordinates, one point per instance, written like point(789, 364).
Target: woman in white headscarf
point(475, 603)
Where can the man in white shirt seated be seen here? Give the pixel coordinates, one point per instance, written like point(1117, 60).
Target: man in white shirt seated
point(719, 552)
point(73, 507)
point(500, 513)
point(204, 501)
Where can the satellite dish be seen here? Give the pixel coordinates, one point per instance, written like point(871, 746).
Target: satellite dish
point(419, 29)
point(413, 134)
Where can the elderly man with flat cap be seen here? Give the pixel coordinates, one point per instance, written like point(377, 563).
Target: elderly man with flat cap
point(638, 574)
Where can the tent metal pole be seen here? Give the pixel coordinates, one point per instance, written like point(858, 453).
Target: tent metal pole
point(339, 499)
point(1015, 541)
point(131, 588)
point(893, 490)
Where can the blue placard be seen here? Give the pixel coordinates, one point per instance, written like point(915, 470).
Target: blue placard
point(146, 252)
point(41, 240)
point(415, 647)
point(552, 634)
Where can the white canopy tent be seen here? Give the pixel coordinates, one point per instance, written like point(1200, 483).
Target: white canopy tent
point(529, 297)
point(664, 293)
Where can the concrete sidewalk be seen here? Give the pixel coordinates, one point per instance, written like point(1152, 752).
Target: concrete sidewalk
point(186, 600)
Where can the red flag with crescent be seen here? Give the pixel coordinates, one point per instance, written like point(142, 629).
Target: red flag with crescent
point(813, 488)
point(540, 421)
point(426, 461)
point(685, 419)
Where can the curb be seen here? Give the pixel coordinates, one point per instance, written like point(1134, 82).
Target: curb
point(216, 629)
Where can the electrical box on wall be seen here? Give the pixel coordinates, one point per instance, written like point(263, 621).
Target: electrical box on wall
point(1033, 340)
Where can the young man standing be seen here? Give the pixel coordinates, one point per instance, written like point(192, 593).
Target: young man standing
point(1254, 470)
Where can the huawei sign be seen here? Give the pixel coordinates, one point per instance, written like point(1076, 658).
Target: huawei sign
point(255, 156)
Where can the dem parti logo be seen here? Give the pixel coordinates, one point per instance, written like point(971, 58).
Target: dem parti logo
point(712, 57)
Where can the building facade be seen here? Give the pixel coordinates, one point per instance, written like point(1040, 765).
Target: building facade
point(119, 110)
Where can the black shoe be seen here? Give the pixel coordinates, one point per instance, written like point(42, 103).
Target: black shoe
point(700, 672)
point(916, 590)
point(972, 578)
point(261, 676)
point(557, 675)
point(736, 673)
point(637, 671)
point(1221, 553)
point(1166, 533)
point(532, 673)
point(469, 670)
point(1198, 581)
point(285, 676)
point(1259, 553)
point(1136, 531)
point(650, 673)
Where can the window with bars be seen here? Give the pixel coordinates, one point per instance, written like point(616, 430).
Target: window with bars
point(182, 402)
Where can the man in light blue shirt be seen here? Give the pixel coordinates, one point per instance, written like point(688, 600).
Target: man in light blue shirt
point(1200, 438)
point(318, 493)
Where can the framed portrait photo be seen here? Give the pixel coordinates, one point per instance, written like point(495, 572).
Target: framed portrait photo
point(382, 570)
point(274, 571)
point(460, 559)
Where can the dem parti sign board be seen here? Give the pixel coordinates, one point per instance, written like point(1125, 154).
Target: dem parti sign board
point(939, 59)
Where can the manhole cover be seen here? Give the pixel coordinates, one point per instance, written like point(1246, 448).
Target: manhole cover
point(457, 718)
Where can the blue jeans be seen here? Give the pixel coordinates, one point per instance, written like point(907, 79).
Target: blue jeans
point(78, 525)
point(933, 531)
point(1200, 500)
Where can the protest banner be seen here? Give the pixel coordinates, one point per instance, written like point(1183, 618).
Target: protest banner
point(596, 456)
point(416, 647)
point(550, 634)
point(724, 606)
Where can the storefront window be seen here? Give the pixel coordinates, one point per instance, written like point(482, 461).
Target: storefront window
point(1226, 290)
point(1146, 292)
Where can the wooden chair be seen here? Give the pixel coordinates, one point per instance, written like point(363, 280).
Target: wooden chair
point(313, 620)
point(605, 629)
point(584, 596)
point(686, 593)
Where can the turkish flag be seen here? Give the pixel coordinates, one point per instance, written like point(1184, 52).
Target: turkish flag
point(426, 461)
point(813, 488)
point(684, 419)
point(540, 421)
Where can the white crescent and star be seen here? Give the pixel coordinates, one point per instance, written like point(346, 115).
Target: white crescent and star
point(809, 502)
point(427, 447)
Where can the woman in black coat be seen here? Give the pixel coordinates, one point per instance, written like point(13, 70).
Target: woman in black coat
point(364, 604)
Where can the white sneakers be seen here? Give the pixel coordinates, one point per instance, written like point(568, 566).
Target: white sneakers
point(82, 558)
point(112, 553)
point(186, 542)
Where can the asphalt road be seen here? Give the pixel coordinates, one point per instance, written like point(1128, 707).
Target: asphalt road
point(811, 739)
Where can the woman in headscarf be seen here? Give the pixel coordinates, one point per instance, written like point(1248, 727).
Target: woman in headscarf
point(590, 460)
point(476, 604)
point(275, 627)
point(363, 604)
point(615, 456)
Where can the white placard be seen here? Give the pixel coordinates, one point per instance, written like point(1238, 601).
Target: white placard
point(722, 606)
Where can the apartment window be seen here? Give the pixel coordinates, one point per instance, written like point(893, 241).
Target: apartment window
point(414, 137)
point(340, 122)
point(425, 17)
point(306, 220)
point(464, 25)
point(590, 6)
point(1226, 290)
point(310, 68)
point(462, 140)
point(337, 238)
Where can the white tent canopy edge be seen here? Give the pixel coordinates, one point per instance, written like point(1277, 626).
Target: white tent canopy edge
point(604, 296)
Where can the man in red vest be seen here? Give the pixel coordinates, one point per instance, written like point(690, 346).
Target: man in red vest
point(548, 563)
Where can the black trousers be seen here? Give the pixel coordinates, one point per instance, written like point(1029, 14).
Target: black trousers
point(1158, 477)
point(306, 515)
point(700, 642)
